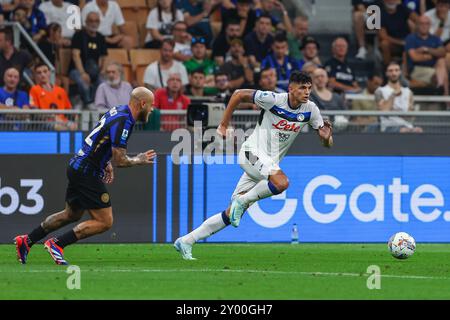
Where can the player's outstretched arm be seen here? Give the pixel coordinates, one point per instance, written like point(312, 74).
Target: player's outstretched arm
point(241, 95)
point(326, 134)
point(121, 159)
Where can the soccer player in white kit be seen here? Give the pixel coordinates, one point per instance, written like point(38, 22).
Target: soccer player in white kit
point(282, 118)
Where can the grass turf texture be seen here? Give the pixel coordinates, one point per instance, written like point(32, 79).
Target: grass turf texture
point(228, 271)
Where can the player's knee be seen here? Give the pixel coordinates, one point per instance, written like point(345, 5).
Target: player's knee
point(280, 184)
point(284, 184)
point(108, 223)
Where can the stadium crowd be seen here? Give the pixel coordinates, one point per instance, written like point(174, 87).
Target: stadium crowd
point(188, 50)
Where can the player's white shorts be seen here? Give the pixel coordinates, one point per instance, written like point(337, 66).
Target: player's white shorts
point(257, 166)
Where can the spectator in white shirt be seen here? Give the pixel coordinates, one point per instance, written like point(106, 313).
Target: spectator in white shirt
point(440, 19)
point(56, 11)
point(160, 22)
point(110, 14)
point(182, 38)
point(157, 73)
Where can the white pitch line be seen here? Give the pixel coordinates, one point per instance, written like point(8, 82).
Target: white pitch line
point(327, 274)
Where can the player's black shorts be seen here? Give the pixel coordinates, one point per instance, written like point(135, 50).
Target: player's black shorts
point(86, 191)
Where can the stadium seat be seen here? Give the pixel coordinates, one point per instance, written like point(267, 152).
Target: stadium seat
point(65, 57)
point(140, 59)
point(151, 4)
point(131, 14)
point(130, 28)
point(132, 3)
point(142, 34)
point(121, 56)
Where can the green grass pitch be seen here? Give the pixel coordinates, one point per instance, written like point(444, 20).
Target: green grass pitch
point(228, 271)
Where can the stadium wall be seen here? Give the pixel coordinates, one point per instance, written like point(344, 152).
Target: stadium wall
point(363, 190)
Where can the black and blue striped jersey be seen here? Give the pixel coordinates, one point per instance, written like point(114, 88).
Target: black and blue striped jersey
point(113, 130)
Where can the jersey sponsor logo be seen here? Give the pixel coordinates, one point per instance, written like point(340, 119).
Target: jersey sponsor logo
point(124, 134)
point(283, 137)
point(9, 102)
point(286, 126)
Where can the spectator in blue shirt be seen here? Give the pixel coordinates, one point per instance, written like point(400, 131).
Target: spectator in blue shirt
point(426, 56)
point(394, 29)
point(281, 61)
point(36, 19)
point(10, 96)
point(196, 14)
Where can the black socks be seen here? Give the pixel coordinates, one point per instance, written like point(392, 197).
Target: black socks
point(36, 235)
point(66, 239)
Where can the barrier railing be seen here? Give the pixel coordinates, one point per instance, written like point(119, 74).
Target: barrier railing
point(344, 120)
point(44, 120)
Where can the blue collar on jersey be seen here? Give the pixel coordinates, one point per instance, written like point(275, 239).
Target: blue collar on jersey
point(290, 116)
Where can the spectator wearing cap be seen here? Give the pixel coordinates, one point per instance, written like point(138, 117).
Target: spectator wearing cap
point(295, 38)
point(310, 50)
point(237, 69)
point(281, 61)
point(342, 77)
point(221, 44)
point(242, 12)
point(200, 60)
point(10, 56)
point(258, 43)
point(182, 51)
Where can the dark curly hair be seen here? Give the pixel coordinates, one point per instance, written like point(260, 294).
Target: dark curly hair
point(299, 77)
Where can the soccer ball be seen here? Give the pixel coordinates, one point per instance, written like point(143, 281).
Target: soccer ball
point(402, 245)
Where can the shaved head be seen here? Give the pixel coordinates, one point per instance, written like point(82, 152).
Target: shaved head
point(141, 103)
point(142, 93)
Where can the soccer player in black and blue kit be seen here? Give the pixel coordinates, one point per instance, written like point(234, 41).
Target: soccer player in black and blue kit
point(87, 172)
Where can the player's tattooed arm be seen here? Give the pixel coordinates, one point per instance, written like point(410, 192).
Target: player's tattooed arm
point(121, 159)
point(326, 134)
point(240, 95)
